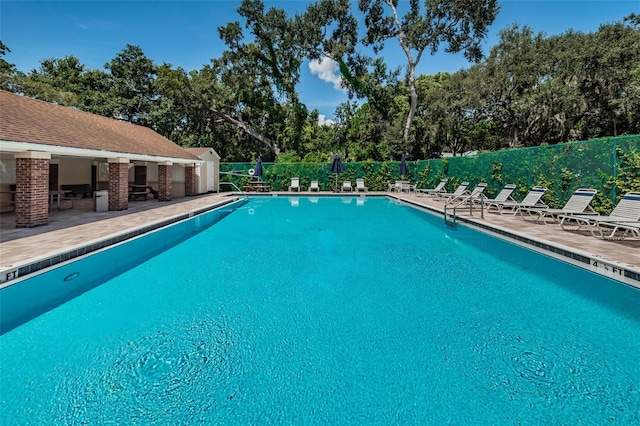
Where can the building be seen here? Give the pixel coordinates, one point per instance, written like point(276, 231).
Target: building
point(45, 148)
point(208, 174)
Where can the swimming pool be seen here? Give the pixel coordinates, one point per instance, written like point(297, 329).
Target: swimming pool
point(330, 310)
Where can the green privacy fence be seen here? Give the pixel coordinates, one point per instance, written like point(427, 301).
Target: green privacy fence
point(610, 165)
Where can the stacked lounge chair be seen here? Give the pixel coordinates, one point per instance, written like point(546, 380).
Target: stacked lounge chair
point(295, 184)
point(360, 185)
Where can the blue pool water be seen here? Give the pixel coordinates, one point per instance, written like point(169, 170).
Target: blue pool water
point(330, 311)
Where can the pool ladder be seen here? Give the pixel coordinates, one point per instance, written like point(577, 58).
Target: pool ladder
point(450, 218)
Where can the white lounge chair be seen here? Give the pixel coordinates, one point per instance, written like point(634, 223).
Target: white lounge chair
point(532, 199)
point(466, 196)
point(295, 184)
point(579, 203)
point(627, 211)
point(314, 186)
point(629, 228)
point(360, 186)
point(459, 191)
point(440, 187)
point(346, 186)
point(503, 196)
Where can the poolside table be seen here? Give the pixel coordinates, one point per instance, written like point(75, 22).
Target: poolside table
point(257, 186)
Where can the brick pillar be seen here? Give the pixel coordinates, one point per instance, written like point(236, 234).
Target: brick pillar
point(32, 189)
point(118, 184)
point(164, 181)
point(190, 180)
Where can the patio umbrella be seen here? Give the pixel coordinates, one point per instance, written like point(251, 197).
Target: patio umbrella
point(258, 171)
point(336, 167)
point(403, 166)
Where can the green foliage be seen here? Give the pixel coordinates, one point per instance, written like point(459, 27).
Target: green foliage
point(288, 157)
point(496, 173)
point(560, 168)
point(315, 157)
point(5, 67)
point(531, 90)
point(628, 176)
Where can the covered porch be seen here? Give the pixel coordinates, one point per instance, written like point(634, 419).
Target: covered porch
point(33, 183)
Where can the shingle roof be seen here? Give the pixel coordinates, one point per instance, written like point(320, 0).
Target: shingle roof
point(197, 151)
point(24, 119)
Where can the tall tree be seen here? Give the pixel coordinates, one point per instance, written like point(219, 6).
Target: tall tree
point(460, 25)
point(263, 73)
point(515, 67)
point(57, 80)
point(170, 112)
point(610, 57)
point(133, 88)
point(329, 30)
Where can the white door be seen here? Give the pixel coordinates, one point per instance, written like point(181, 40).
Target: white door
point(209, 176)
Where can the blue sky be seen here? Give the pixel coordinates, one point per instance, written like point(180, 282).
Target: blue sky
point(184, 33)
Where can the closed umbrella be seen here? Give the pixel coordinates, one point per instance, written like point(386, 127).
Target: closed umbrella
point(403, 166)
point(258, 171)
point(336, 167)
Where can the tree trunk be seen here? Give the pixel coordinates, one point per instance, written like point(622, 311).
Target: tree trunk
point(411, 78)
point(413, 96)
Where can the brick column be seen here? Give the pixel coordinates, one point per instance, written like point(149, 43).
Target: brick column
point(118, 184)
point(32, 189)
point(190, 180)
point(164, 181)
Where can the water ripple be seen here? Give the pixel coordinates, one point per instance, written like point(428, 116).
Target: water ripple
point(185, 371)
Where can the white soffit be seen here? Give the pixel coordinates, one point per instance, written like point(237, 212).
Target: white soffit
point(9, 146)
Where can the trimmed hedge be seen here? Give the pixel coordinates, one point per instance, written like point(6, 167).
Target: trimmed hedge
point(610, 165)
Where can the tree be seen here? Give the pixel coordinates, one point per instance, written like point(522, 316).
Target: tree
point(57, 80)
point(7, 70)
point(170, 112)
point(514, 68)
point(263, 74)
point(459, 24)
point(133, 88)
point(454, 111)
point(328, 29)
point(610, 58)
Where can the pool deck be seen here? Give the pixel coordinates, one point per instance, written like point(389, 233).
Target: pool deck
point(81, 226)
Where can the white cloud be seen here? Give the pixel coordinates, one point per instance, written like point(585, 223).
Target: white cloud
point(322, 121)
point(327, 70)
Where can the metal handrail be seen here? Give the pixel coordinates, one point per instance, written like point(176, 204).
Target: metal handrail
point(469, 199)
point(236, 173)
point(453, 221)
point(455, 215)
